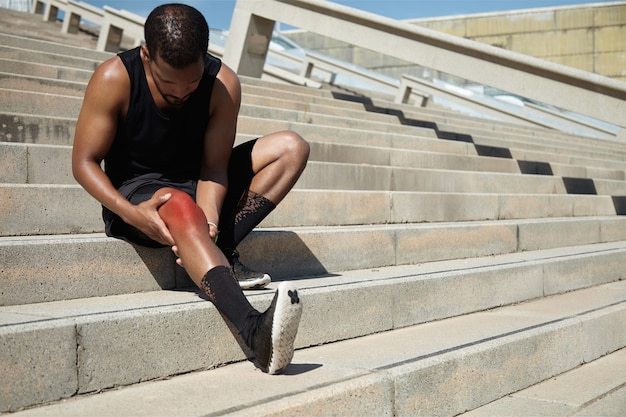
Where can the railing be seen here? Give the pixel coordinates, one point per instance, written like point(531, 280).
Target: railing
point(563, 87)
point(525, 113)
point(76, 11)
point(114, 24)
point(332, 67)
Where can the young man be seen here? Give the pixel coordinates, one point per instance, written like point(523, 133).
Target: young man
point(163, 119)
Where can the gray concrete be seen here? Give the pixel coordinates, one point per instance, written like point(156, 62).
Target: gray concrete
point(74, 266)
point(41, 209)
point(12, 66)
point(594, 389)
point(440, 368)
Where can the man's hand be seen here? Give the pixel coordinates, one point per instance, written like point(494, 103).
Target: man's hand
point(147, 220)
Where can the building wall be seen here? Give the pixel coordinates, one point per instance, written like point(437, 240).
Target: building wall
point(589, 37)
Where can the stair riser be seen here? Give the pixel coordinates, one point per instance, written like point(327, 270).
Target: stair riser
point(39, 271)
point(37, 47)
point(43, 164)
point(36, 129)
point(32, 163)
point(44, 71)
point(48, 58)
point(35, 164)
point(43, 210)
point(42, 85)
point(79, 267)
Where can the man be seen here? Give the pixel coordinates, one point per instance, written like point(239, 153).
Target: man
point(163, 119)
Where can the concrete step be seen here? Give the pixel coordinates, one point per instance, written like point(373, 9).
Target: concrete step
point(27, 128)
point(593, 389)
point(43, 210)
point(365, 177)
point(45, 164)
point(31, 27)
point(370, 177)
point(49, 58)
point(11, 66)
point(427, 153)
point(258, 122)
point(42, 84)
point(52, 47)
point(403, 361)
point(503, 129)
point(50, 268)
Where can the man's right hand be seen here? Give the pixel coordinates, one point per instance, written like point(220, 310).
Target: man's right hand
point(146, 218)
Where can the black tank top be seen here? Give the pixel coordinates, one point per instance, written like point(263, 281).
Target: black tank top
point(149, 141)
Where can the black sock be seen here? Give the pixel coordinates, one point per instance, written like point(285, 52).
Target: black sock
point(222, 288)
point(253, 210)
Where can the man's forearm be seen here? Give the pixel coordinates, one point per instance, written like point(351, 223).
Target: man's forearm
point(210, 196)
point(91, 177)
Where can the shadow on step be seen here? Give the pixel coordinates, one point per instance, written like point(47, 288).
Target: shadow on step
point(282, 254)
point(161, 264)
point(371, 107)
point(572, 185)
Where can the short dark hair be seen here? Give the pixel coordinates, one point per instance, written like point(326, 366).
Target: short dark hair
point(178, 33)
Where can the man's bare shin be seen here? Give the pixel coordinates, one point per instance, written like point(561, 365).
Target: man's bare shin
point(188, 226)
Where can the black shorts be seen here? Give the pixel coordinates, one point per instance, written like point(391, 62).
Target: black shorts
point(142, 188)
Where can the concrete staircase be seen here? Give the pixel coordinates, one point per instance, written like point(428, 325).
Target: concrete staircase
point(445, 263)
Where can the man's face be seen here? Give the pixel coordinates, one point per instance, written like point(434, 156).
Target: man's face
point(176, 85)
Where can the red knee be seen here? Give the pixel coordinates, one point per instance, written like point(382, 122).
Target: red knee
point(181, 213)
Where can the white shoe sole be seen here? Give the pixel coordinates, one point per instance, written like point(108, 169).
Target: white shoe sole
point(255, 284)
point(284, 327)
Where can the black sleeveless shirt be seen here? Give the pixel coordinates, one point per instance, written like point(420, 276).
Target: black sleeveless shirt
point(149, 141)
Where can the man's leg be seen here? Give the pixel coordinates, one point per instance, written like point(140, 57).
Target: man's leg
point(261, 179)
point(278, 160)
point(207, 266)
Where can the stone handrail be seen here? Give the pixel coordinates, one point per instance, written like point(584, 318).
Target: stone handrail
point(116, 24)
point(77, 10)
point(330, 66)
point(50, 13)
point(529, 114)
point(275, 73)
point(564, 87)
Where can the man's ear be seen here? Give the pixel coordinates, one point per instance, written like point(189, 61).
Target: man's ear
point(145, 53)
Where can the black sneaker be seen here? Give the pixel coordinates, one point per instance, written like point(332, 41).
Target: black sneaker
point(247, 278)
point(272, 339)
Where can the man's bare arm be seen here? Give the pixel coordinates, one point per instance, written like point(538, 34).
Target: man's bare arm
point(218, 143)
point(106, 99)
